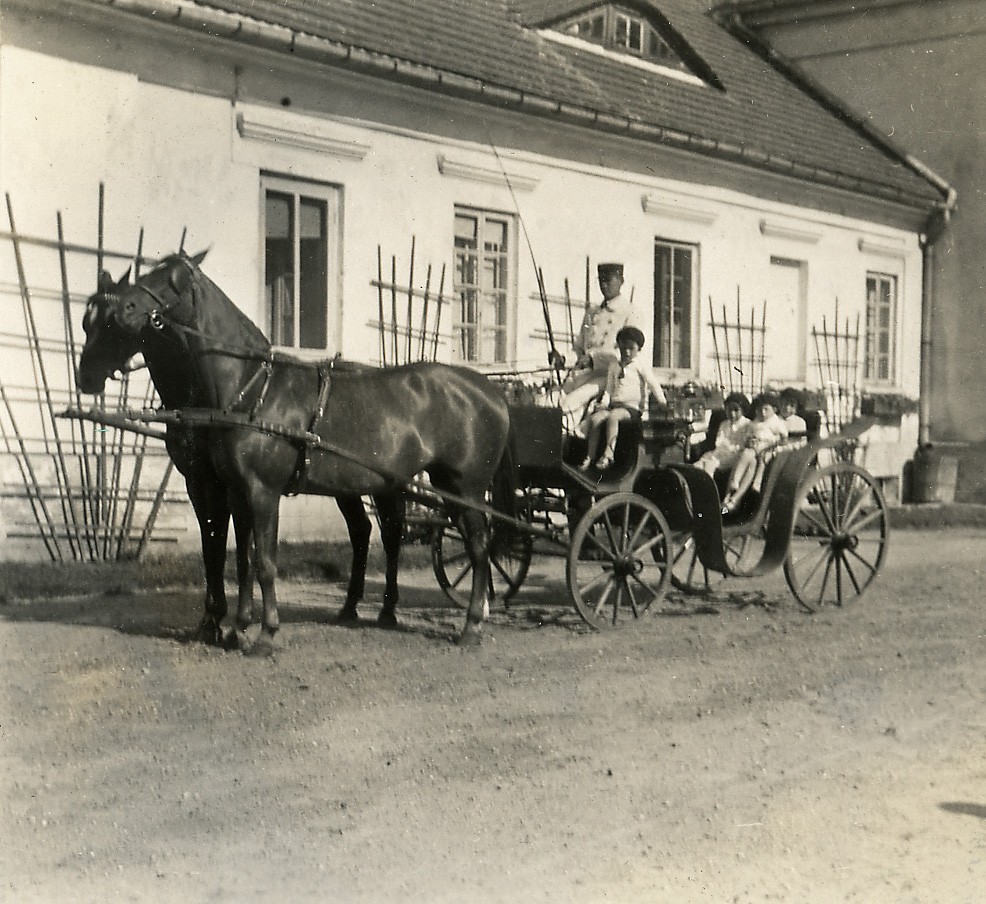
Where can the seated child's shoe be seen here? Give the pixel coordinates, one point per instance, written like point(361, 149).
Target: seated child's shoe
point(586, 464)
point(604, 462)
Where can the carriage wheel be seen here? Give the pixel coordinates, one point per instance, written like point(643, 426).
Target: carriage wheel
point(689, 575)
point(618, 563)
point(510, 557)
point(839, 539)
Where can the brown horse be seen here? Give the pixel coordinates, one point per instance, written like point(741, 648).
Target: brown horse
point(106, 351)
point(383, 427)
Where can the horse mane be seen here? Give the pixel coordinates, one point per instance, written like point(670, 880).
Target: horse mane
point(234, 319)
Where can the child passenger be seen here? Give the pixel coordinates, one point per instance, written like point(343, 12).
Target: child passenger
point(730, 437)
point(766, 430)
point(628, 383)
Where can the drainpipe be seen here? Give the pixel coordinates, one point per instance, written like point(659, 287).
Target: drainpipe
point(935, 227)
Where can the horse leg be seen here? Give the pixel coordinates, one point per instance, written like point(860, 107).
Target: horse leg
point(391, 509)
point(476, 535)
point(266, 511)
point(359, 528)
point(243, 529)
point(212, 512)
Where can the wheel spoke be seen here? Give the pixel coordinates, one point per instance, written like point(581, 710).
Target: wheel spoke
point(604, 596)
point(869, 565)
point(633, 600)
point(825, 579)
point(868, 519)
point(821, 525)
point(600, 578)
point(851, 574)
point(458, 579)
point(823, 550)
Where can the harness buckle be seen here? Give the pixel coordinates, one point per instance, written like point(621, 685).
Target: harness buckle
point(156, 320)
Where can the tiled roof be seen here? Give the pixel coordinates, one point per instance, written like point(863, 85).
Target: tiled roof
point(761, 118)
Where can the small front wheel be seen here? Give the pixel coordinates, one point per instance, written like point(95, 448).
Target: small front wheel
point(840, 536)
point(619, 562)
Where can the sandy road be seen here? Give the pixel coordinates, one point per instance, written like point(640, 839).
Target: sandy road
point(748, 753)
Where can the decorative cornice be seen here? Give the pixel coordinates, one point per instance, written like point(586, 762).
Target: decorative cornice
point(479, 170)
point(673, 210)
point(884, 248)
point(266, 125)
point(778, 230)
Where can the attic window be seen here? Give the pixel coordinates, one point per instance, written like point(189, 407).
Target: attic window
point(617, 29)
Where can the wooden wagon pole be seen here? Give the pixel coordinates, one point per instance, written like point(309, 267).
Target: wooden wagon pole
point(42, 386)
point(380, 322)
point(99, 230)
point(439, 301)
point(83, 460)
point(423, 337)
point(410, 304)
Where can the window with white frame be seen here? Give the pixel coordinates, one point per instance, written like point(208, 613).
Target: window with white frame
point(485, 263)
point(675, 300)
point(881, 327)
point(301, 254)
point(624, 31)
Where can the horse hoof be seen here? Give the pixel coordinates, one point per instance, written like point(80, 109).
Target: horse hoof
point(387, 619)
point(347, 618)
point(208, 632)
point(228, 639)
point(262, 648)
point(469, 639)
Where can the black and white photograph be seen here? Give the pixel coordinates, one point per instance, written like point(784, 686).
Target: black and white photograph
point(492, 451)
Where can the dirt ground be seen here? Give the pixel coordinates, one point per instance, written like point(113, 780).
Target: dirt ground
point(728, 749)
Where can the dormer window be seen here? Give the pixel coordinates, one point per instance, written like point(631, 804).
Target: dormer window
point(620, 30)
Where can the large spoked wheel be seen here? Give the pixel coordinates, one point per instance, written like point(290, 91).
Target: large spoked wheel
point(840, 536)
point(619, 561)
point(689, 575)
point(510, 557)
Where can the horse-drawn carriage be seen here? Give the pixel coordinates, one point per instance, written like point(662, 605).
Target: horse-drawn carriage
point(247, 424)
point(653, 519)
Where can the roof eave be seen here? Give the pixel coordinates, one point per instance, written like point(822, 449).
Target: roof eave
point(256, 33)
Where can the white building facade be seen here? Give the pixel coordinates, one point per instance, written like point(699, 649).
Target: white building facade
point(309, 182)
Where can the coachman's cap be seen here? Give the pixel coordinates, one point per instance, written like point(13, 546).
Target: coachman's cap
point(607, 270)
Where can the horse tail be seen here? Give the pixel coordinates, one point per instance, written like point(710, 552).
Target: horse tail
point(504, 488)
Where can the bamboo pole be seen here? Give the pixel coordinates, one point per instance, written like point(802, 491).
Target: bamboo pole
point(393, 307)
point(46, 526)
point(155, 508)
point(729, 356)
point(571, 319)
point(73, 387)
point(715, 343)
point(410, 304)
point(439, 301)
point(423, 338)
point(763, 343)
point(42, 386)
point(380, 324)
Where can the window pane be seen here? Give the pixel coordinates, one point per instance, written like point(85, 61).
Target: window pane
point(482, 273)
point(314, 273)
point(279, 267)
point(673, 304)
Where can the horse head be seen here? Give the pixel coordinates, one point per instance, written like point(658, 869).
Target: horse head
point(107, 348)
point(161, 297)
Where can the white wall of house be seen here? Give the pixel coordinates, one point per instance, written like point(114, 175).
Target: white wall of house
point(174, 158)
